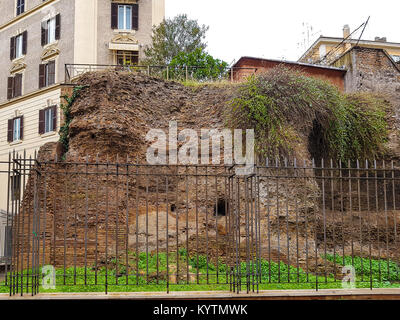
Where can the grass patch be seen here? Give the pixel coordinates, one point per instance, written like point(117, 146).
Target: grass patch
point(274, 276)
point(381, 271)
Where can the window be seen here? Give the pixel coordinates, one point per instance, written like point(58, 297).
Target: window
point(48, 120)
point(51, 30)
point(18, 45)
point(14, 86)
point(124, 17)
point(129, 58)
point(20, 7)
point(47, 74)
point(15, 129)
point(396, 58)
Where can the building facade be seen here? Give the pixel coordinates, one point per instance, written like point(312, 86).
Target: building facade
point(39, 37)
point(325, 50)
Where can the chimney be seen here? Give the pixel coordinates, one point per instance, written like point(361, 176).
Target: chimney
point(346, 31)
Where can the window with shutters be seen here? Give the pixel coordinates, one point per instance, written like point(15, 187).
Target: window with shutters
point(20, 7)
point(47, 74)
point(14, 86)
point(15, 129)
point(48, 120)
point(124, 16)
point(18, 45)
point(51, 30)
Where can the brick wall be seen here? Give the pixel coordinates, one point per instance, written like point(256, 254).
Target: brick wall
point(247, 66)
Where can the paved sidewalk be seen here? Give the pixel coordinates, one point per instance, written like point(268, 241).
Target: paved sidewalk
point(323, 294)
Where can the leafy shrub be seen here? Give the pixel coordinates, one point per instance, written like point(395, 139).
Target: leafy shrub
point(283, 106)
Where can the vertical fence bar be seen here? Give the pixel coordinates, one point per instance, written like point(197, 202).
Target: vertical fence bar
point(286, 171)
point(360, 218)
point(166, 231)
point(97, 219)
point(86, 213)
point(368, 224)
point(394, 217)
point(351, 211)
point(296, 208)
point(324, 218)
point(77, 182)
point(334, 218)
point(107, 217)
point(386, 218)
point(65, 225)
point(187, 223)
point(377, 218)
point(314, 175)
point(127, 224)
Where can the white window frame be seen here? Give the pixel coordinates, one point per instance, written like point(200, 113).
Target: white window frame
point(51, 30)
point(17, 129)
point(48, 120)
point(124, 19)
point(18, 46)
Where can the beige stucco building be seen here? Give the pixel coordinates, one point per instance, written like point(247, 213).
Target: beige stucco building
point(38, 39)
point(325, 50)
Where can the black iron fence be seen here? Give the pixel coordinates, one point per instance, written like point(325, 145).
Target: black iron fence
point(122, 226)
point(177, 73)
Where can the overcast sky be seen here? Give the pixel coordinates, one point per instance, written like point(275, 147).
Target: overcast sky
point(278, 28)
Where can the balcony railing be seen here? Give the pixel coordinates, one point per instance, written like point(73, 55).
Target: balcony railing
point(180, 73)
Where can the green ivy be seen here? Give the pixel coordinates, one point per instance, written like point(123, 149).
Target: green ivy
point(283, 106)
point(64, 130)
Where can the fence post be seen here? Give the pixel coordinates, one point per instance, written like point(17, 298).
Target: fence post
point(167, 73)
point(148, 70)
point(186, 73)
point(232, 74)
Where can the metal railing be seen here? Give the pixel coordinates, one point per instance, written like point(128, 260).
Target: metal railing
point(180, 73)
point(107, 225)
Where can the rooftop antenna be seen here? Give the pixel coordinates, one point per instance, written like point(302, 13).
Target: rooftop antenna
point(365, 25)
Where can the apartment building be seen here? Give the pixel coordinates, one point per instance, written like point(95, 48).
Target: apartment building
point(326, 50)
point(38, 38)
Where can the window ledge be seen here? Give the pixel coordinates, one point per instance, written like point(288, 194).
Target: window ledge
point(130, 31)
point(48, 134)
point(54, 43)
point(19, 59)
point(14, 143)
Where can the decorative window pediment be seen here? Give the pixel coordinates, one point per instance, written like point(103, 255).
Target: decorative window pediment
point(126, 38)
point(50, 52)
point(17, 66)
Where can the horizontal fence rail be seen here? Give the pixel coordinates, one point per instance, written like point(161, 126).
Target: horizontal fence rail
point(122, 226)
point(177, 73)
